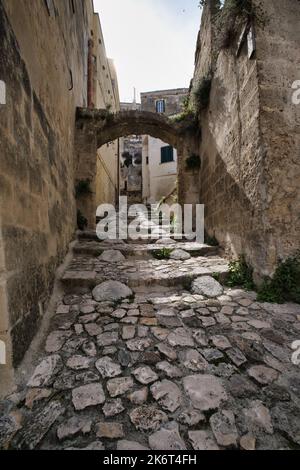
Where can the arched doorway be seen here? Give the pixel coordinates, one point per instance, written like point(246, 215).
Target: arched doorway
point(95, 128)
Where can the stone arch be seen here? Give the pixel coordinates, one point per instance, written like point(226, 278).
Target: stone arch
point(108, 126)
point(139, 123)
point(97, 127)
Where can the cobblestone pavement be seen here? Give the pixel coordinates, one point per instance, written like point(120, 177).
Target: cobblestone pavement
point(134, 362)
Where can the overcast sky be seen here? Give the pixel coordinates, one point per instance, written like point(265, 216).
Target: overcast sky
point(152, 42)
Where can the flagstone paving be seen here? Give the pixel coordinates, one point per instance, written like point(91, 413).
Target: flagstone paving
point(137, 358)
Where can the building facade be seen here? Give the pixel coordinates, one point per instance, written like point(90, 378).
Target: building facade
point(250, 174)
point(159, 162)
point(52, 60)
point(103, 93)
point(131, 161)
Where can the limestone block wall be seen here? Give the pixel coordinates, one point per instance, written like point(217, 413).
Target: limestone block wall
point(249, 179)
point(102, 170)
point(86, 170)
point(188, 179)
point(107, 174)
point(278, 64)
point(106, 96)
point(43, 64)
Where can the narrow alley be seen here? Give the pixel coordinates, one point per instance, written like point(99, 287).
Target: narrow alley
point(155, 354)
point(126, 127)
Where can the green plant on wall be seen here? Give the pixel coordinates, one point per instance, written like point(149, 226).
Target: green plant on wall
point(216, 276)
point(187, 114)
point(232, 17)
point(240, 274)
point(285, 284)
point(82, 188)
point(202, 93)
point(193, 162)
point(235, 6)
point(212, 241)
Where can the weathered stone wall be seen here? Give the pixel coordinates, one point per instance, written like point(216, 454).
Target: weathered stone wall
point(102, 171)
point(250, 173)
point(278, 64)
point(43, 63)
point(106, 175)
point(107, 95)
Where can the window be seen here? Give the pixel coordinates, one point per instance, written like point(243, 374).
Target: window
point(147, 160)
point(160, 106)
point(166, 154)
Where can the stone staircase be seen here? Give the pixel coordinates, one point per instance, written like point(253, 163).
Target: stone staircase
point(138, 265)
point(155, 362)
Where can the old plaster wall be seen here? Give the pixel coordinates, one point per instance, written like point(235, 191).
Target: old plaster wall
point(249, 179)
point(43, 63)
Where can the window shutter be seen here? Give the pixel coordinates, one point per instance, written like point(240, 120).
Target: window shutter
point(167, 154)
point(161, 106)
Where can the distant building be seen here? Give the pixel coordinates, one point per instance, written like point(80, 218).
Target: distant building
point(131, 161)
point(159, 159)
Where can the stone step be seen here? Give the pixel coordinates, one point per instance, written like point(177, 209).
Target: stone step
point(142, 248)
point(90, 235)
point(177, 279)
point(85, 273)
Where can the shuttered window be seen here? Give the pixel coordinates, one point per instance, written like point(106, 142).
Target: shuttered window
point(166, 154)
point(160, 106)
